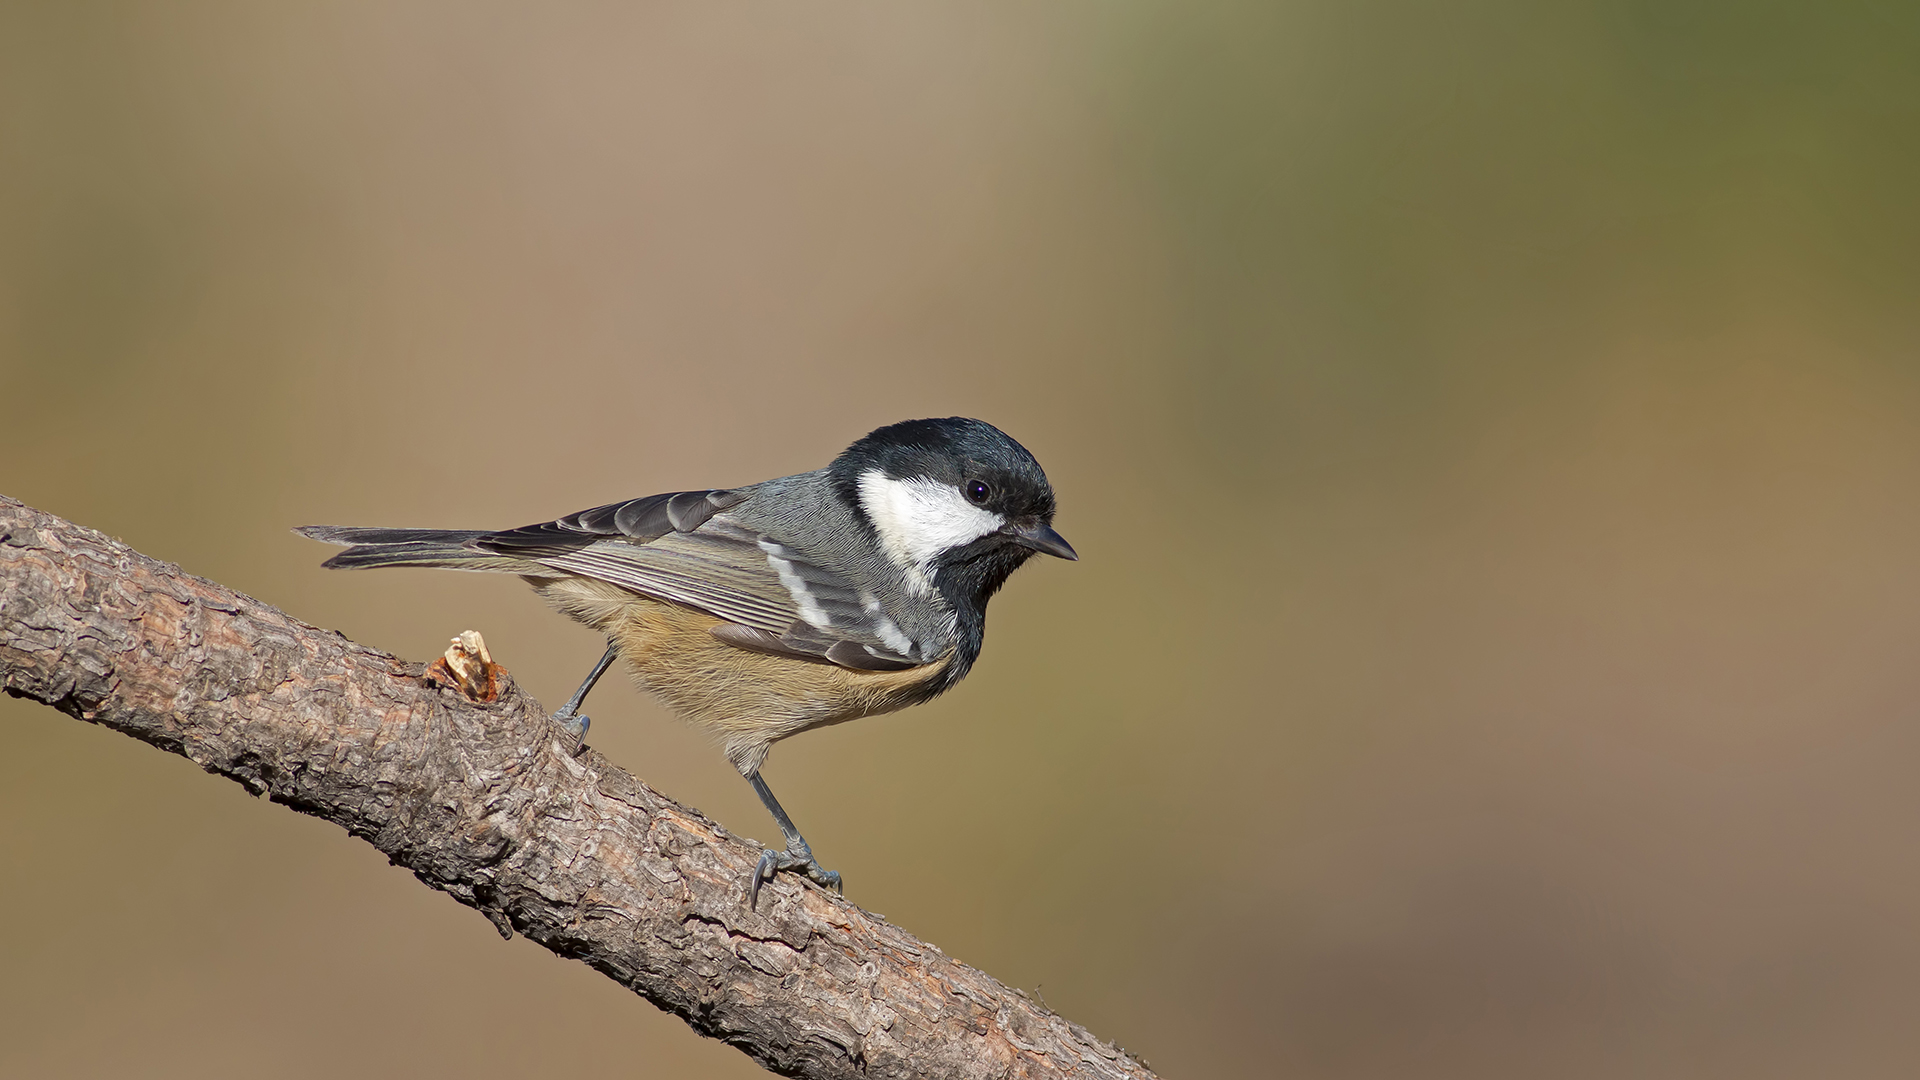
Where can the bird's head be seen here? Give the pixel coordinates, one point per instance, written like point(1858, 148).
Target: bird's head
point(952, 502)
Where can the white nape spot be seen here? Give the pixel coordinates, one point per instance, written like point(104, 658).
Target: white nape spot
point(803, 597)
point(919, 519)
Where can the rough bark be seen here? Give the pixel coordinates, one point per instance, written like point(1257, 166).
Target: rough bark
point(488, 802)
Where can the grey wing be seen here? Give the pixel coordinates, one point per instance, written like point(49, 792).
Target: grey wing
point(681, 547)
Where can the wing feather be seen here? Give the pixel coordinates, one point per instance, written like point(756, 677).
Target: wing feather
point(681, 547)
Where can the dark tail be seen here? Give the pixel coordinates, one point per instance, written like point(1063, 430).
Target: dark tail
point(451, 548)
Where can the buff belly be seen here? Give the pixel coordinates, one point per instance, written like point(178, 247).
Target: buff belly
point(747, 700)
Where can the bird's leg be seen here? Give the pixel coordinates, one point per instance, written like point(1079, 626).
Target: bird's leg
point(568, 717)
point(798, 855)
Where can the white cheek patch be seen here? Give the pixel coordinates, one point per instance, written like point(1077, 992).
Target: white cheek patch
point(917, 520)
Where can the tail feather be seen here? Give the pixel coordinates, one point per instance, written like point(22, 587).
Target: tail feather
point(353, 534)
point(371, 547)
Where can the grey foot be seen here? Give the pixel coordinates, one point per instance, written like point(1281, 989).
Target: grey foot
point(574, 725)
point(801, 860)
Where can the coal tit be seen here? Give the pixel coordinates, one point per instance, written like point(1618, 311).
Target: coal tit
point(759, 612)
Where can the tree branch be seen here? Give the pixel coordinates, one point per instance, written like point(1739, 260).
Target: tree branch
point(487, 802)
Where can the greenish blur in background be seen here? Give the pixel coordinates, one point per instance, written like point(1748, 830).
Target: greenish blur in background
point(1491, 432)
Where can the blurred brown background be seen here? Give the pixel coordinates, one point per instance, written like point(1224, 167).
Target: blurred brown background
point(1491, 430)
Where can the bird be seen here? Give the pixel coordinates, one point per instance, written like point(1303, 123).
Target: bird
point(763, 611)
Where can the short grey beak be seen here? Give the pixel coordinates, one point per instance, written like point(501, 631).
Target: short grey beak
point(1043, 539)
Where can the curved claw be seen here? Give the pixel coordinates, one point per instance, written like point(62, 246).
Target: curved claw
point(769, 864)
point(772, 862)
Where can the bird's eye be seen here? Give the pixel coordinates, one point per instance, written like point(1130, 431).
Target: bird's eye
point(978, 493)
